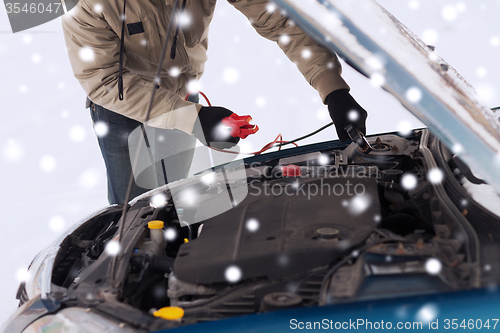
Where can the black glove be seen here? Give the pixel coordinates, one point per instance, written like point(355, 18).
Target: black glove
point(340, 104)
point(212, 133)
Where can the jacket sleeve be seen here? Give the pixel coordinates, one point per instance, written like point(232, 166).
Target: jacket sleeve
point(320, 67)
point(93, 49)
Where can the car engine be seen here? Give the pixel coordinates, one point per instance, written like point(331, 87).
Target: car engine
point(315, 225)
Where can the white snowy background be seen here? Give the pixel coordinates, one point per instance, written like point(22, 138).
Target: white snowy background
point(52, 173)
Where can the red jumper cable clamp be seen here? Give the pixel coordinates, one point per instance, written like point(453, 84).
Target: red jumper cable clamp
point(240, 125)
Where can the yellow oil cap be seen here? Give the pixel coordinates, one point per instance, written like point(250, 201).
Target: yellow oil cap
point(155, 224)
point(170, 313)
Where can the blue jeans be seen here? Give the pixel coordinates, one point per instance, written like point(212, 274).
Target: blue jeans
point(115, 152)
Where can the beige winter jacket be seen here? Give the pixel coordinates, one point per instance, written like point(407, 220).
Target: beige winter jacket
point(92, 33)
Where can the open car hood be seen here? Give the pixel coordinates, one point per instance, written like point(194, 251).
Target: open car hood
point(375, 43)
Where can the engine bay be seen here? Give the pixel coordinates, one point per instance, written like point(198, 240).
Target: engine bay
point(328, 225)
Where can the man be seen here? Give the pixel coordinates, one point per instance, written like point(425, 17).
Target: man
point(120, 91)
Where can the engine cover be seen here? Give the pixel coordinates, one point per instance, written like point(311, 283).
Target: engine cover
point(297, 224)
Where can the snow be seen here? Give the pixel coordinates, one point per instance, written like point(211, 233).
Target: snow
point(233, 274)
point(405, 127)
point(427, 313)
point(435, 176)
point(86, 54)
point(113, 248)
point(433, 266)
point(77, 133)
point(252, 225)
point(430, 36)
point(48, 163)
point(174, 71)
point(409, 181)
point(414, 95)
point(231, 75)
point(260, 101)
point(57, 223)
point(39, 115)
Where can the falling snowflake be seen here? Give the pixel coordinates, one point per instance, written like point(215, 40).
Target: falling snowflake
point(101, 129)
point(323, 159)
point(433, 266)
point(495, 41)
point(22, 274)
point(98, 8)
point(322, 114)
point(56, 223)
point(413, 5)
point(231, 75)
point(47, 163)
point(284, 39)
point(86, 54)
point(208, 178)
point(174, 72)
point(188, 197)
point(353, 115)
point(435, 176)
point(449, 13)
point(487, 267)
point(27, 39)
point(89, 179)
point(260, 101)
point(61, 85)
point(193, 86)
point(113, 248)
point(13, 151)
point(252, 225)
point(427, 313)
point(233, 274)
point(144, 42)
point(306, 53)
point(464, 202)
point(23, 89)
point(481, 72)
point(404, 128)
point(283, 260)
point(377, 80)
point(486, 92)
point(170, 234)
point(184, 19)
point(359, 204)
point(413, 94)
point(158, 200)
point(430, 36)
point(461, 6)
point(374, 63)
point(36, 58)
point(409, 181)
point(457, 148)
point(77, 133)
point(270, 8)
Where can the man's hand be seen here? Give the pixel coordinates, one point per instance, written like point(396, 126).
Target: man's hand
point(345, 110)
point(212, 133)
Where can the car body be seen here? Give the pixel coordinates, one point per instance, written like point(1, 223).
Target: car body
point(391, 234)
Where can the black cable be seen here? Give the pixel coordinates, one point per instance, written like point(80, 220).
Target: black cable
point(122, 49)
point(305, 136)
point(150, 107)
point(174, 41)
